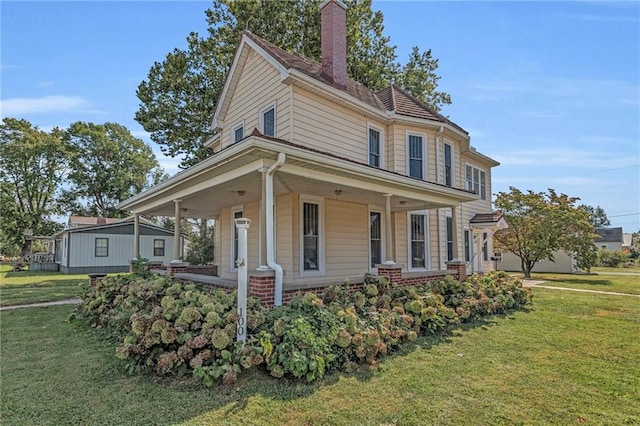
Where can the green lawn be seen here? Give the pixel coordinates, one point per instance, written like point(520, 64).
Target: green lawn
point(572, 358)
point(17, 288)
point(602, 281)
point(601, 269)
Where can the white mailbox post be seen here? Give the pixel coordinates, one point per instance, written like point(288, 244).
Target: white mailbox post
point(242, 225)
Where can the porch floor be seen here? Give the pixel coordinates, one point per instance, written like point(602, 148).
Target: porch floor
point(199, 278)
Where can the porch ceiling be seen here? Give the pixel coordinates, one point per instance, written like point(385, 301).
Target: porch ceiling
point(232, 177)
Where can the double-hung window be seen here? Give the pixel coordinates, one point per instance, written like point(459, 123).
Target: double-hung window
point(237, 214)
point(375, 238)
point(311, 234)
point(237, 133)
point(476, 181)
point(449, 238)
point(101, 248)
point(468, 238)
point(268, 120)
point(158, 247)
point(448, 165)
point(416, 155)
point(418, 240)
point(375, 146)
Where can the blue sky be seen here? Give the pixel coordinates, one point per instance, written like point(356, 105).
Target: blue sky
point(550, 89)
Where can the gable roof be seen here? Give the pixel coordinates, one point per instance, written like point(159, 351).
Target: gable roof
point(609, 235)
point(392, 99)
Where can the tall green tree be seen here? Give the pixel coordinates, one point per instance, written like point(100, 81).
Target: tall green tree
point(179, 97)
point(597, 216)
point(540, 224)
point(33, 166)
point(420, 79)
point(108, 165)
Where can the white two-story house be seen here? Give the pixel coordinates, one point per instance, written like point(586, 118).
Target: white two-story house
point(337, 180)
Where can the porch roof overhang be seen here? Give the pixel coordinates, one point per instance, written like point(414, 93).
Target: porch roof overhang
point(232, 177)
point(488, 221)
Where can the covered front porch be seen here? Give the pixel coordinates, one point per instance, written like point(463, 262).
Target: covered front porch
point(317, 219)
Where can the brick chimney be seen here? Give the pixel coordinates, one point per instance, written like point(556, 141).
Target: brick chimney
point(333, 28)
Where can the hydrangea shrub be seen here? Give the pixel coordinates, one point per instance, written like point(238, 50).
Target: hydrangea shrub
point(172, 329)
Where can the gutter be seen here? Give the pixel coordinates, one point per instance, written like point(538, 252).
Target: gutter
point(271, 262)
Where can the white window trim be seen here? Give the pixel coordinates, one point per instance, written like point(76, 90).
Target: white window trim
point(453, 165)
point(234, 210)
point(424, 153)
point(427, 241)
point(383, 246)
point(275, 118)
point(233, 132)
point(321, 249)
point(486, 186)
point(371, 126)
point(468, 231)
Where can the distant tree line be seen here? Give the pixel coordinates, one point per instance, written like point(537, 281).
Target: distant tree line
point(85, 169)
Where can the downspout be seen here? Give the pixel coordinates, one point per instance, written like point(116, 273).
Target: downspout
point(271, 261)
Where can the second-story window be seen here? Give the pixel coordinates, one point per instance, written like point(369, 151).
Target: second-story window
point(476, 181)
point(374, 147)
point(416, 156)
point(448, 165)
point(268, 121)
point(237, 133)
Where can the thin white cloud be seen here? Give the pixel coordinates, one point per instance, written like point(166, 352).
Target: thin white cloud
point(563, 157)
point(534, 113)
point(44, 104)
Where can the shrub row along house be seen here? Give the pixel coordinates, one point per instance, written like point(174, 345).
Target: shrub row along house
point(337, 180)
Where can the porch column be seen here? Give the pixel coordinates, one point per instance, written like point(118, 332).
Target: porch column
point(387, 231)
point(176, 232)
point(136, 235)
point(262, 224)
point(454, 231)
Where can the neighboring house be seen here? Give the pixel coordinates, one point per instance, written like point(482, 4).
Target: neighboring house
point(609, 239)
point(337, 180)
point(562, 263)
point(108, 245)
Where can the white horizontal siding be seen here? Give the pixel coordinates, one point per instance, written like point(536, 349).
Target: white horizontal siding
point(330, 127)
point(258, 86)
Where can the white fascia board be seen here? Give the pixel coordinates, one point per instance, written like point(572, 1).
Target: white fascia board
point(431, 123)
point(481, 157)
point(215, 138)
point(360, 171)
point(189, 173)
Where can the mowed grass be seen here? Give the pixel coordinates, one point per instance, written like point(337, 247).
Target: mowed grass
point(601, 282)
point(571, 358)
point(18, 288)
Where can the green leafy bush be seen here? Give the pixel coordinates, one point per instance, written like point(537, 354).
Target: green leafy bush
point(612, 258)
point(172, 329)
